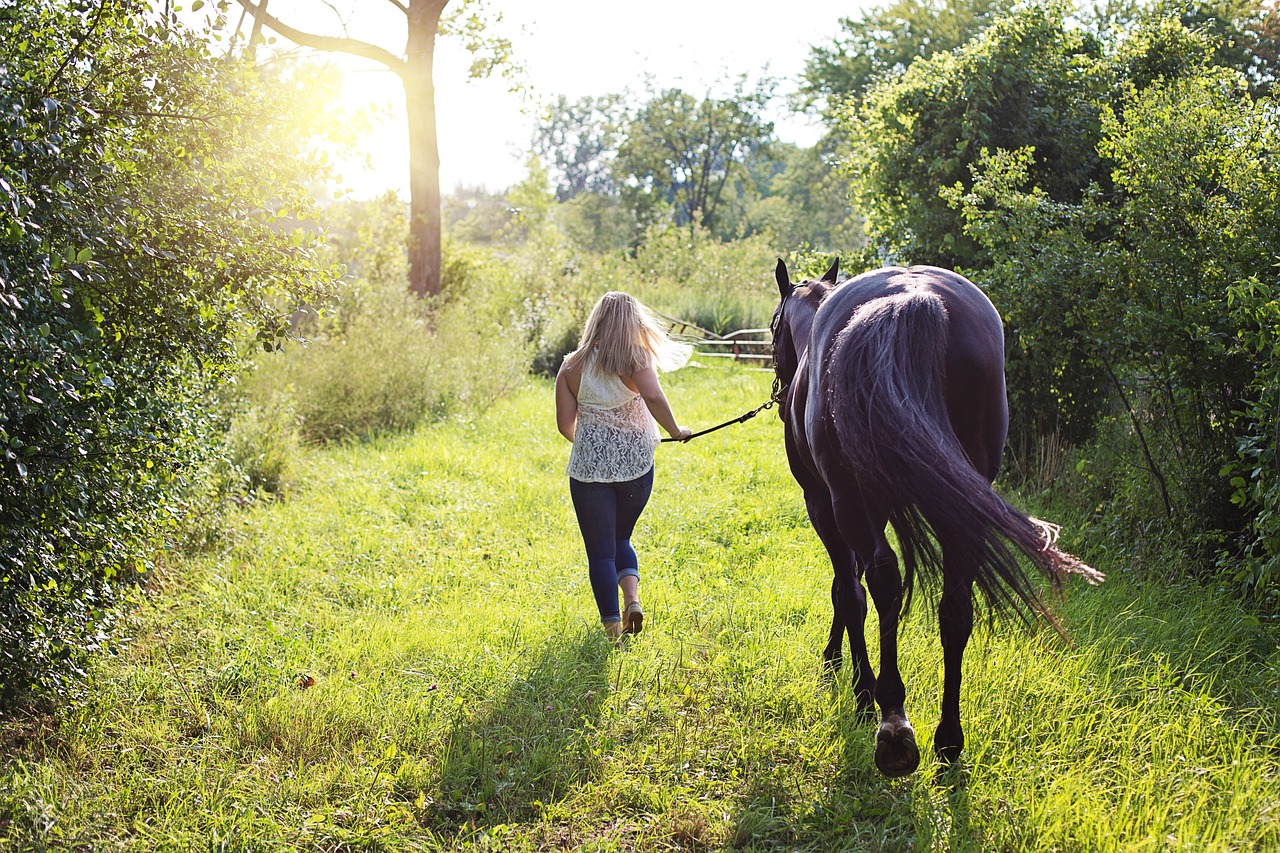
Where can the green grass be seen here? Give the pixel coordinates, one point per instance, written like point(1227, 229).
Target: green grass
point(434, 587)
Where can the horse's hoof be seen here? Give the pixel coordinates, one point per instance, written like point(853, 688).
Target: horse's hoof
point(896, 751)
point(948, 742)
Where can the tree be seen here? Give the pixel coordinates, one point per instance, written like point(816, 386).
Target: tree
point(683, 152)
point(1028, 80)
point(806, 204)
point(1159, 291)
point(1246, 34)
point(886, 40)
point(577, 142)
point(475, 215)
point(138, 242)
point(415, 67)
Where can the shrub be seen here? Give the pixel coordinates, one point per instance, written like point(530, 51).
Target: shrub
point(379, 359)
point(262, 444)
point(137, 243)
point(722, 287)
point(1141, 316)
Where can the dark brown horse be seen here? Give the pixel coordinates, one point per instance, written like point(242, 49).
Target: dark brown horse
point(895, 414)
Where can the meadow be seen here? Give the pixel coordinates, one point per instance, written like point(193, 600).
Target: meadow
point(403, 655)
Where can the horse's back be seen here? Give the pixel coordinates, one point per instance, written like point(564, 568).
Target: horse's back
point(973, 349)
point(975, 323)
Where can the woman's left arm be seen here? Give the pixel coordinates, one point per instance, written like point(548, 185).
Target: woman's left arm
point(566, 405)
point(646, 382)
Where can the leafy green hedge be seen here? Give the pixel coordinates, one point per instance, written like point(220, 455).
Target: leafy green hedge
point(1139, 297)
point(137, 242)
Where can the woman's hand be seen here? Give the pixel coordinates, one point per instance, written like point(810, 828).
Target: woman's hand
point(683, 434)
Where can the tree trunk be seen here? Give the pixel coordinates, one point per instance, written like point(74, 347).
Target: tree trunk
point(424, 150)
point(415, 72)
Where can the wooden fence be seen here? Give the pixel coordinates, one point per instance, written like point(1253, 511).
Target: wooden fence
point(747, 346)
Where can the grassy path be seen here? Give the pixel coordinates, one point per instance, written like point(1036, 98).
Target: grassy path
point(434, 589)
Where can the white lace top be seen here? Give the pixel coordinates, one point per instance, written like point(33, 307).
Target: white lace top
point(615, 436)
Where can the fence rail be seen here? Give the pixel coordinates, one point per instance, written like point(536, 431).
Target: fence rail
point(753, 346)
point(748, 346)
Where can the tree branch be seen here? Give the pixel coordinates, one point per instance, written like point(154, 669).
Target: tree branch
point(1142, 439)
point(75, 50)
point(401, 6)
point(355, 47)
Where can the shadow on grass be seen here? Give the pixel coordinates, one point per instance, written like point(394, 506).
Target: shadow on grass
point(530, 745)
point(854, 809)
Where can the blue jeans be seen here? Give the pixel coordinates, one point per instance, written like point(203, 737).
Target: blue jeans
point(607, 513)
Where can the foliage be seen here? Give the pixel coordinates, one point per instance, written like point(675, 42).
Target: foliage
point(381, 360)
point(137, 242)
point(618, 172)
point(263, 445)
point(476, 25)
point(433, 585)
point(578, 141)
point(681, 151)
point(1162, 290)
point(469, 21)
point(1028, 80)
point(685, 275)
point(721, 287)
point(1031, 80)
point(1048, 268)
point(1246, 34)
point(805, 203)
point(475, 216)
point(883, 43)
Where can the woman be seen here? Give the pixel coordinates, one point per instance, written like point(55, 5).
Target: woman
point(609, 404)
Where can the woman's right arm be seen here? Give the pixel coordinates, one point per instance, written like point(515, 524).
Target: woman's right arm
point(566, 404)
point(646, 382)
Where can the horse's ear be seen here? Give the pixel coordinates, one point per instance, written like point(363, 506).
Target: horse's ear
point(830, 275)
point(784, 280)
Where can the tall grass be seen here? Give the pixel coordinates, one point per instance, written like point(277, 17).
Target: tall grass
point(381, 360)
point(680, 272)
point(433, 587)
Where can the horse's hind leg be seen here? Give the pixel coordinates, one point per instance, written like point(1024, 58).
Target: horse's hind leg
point(834, 650)
point(955, 623)
point(848, 604)
point(897, 753)
point(850, 614)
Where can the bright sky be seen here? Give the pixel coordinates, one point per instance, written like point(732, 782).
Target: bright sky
point(569, 47)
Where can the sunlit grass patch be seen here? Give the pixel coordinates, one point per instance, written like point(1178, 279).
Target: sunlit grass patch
point(431, 591)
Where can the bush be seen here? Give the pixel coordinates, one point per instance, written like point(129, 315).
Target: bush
point(381, 360)
point(1139, 318)
point(262, 443)
point(722, 287)
point(136, 245)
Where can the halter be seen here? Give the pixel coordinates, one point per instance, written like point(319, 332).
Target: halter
point(774, 325)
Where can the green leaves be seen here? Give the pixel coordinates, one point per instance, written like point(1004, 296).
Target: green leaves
point(1156, 286)
point(1027, 81)
point(680, 151)
point(136, 161)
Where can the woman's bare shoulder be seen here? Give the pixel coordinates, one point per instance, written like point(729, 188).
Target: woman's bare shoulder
point(571, 373)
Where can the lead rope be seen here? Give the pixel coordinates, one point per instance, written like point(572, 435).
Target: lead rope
point(778, 390)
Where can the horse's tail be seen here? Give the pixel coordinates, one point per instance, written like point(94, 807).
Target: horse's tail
point(888, 400)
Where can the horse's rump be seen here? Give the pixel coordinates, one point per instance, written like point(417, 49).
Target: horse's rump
point(887, 371)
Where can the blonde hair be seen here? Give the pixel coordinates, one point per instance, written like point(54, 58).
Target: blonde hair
point(625, 337)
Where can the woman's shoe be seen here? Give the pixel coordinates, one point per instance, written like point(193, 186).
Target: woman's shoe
point(633, 618)
point(613, 630)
